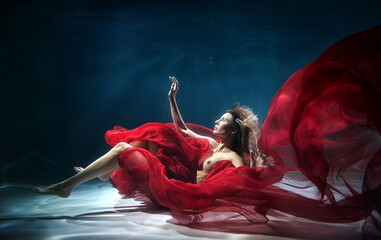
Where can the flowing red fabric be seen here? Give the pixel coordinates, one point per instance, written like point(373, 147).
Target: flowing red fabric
point(322, 129)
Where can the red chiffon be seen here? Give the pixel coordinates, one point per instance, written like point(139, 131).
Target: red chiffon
point(322, 129)
point(177, 154)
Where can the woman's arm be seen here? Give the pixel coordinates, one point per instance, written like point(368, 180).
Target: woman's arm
point(176, 116)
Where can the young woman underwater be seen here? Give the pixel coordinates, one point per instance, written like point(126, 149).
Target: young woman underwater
point(323, 124)
point(237, 129)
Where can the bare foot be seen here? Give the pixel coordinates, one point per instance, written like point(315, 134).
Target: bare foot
point(54, 189)
point(78, 169)
point(102, 177)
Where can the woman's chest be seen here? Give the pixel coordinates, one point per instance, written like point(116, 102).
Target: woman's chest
point(214, 157)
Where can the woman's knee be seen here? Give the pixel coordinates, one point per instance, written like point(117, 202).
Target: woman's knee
point(120, 147)
point(150, 146)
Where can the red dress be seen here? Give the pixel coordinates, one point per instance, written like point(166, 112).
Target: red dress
point(323, 126)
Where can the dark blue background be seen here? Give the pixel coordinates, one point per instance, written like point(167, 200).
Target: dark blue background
point(71, 70)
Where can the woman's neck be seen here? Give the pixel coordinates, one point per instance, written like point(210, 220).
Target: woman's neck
point(227, 143)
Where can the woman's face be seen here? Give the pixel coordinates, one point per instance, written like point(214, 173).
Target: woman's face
point(223, 124)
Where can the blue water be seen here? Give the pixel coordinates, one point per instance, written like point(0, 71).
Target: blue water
point(71, 70)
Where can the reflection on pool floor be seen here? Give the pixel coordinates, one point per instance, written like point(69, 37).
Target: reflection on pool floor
point(96, 211)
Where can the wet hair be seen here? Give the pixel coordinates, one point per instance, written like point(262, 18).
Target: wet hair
point(245, 126)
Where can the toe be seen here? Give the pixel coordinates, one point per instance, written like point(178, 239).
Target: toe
point(37, 190)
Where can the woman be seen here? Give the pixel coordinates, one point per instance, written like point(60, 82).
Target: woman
point(237, 128)
point(322, 130)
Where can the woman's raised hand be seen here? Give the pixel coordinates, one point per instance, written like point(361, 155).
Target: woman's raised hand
point(174, 87)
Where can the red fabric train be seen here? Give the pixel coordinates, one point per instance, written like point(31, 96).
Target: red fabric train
point(322, 129)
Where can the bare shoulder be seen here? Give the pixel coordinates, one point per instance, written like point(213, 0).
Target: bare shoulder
point(236, 159)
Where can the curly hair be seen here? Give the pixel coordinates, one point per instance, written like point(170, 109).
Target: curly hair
point(245, 140)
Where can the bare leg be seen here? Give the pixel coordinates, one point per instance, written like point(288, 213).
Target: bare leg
point(104, 177)
point(150, 146)
point(102, 168)
point(99, 167)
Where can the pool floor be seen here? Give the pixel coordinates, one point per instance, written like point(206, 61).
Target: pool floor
point(95, 210)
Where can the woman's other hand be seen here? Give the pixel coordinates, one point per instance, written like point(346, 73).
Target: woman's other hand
point(201, 175)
